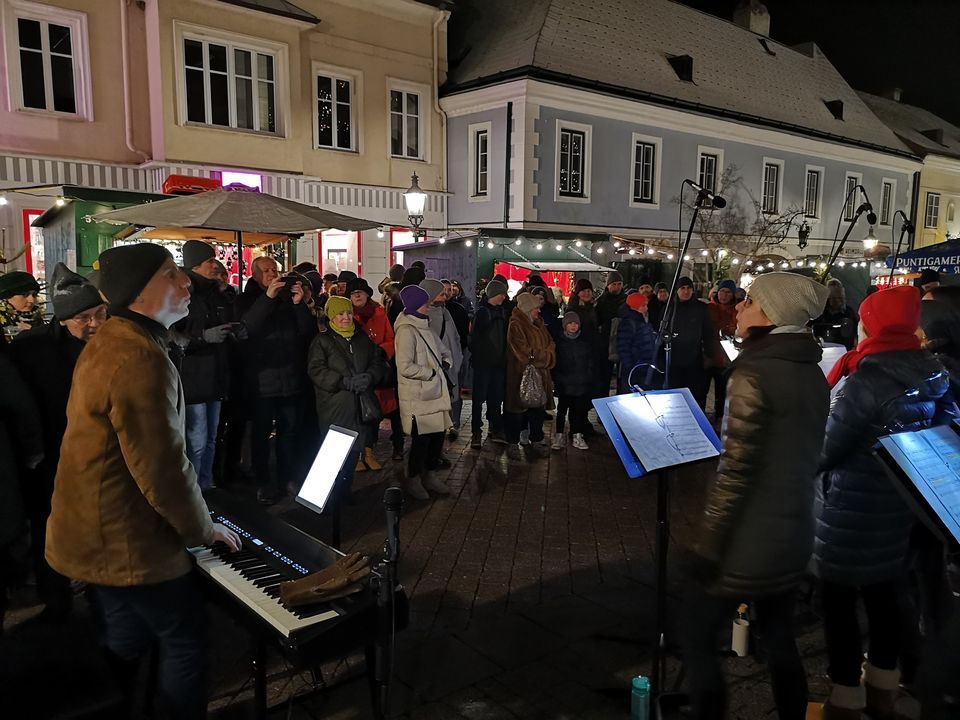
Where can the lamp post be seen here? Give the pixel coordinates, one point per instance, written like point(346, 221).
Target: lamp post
point(870, 242)
point(415, 199)
point(803, 232)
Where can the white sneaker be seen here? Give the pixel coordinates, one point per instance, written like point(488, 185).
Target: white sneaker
point(433, 484)
point(558, 441)
point(579, 443)
point(414, 488)
point(524, 437)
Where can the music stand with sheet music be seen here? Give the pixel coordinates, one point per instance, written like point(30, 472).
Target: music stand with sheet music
point(658, 431)
point(924, 466)
point(322, 478)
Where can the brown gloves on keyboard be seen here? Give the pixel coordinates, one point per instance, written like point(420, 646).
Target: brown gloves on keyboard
point(338, 580)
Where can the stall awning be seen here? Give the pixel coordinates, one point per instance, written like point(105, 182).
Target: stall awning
point(944, 257)
point(559, 266)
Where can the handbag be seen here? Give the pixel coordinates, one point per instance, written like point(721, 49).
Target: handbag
point(532, 394)
point(440, 367)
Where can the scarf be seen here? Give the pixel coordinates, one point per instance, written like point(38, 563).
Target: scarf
point(571, 336)
point(366, 312)
point(336, 305)
point(888, 342)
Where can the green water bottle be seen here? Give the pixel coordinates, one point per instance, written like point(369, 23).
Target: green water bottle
point(640, 699)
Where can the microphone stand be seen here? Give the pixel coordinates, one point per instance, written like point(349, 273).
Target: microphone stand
point(865, 207)
point(907, 227)
point(665, 337)
point(393, 502)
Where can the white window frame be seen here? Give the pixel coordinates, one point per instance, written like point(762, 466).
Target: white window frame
point(763, 183)
point(355, 77)
point(80, 48)
point(893, 202)
point(718, 171)
point(926, 211)
point(855, 200)
point(472, 131)
point(657, 165)
point(281, 65)
point(822, 173)
point(587, 131)
point(426, 118)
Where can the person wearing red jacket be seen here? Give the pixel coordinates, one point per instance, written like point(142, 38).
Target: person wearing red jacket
point(374, 321)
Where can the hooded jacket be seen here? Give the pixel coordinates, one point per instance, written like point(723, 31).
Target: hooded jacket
point(526, 338)
point(757, 523)
point(488, 341)
point(205, 368)
point(863, 525)
point(421, 385)
point(636, 339)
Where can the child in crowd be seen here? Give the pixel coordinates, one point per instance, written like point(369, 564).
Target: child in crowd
point(572, 378)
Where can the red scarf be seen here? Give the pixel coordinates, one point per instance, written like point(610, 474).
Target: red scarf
point(891, 318)
point(366, 312)
point(887, 342)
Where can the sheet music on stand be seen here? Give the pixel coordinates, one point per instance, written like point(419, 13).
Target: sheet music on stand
point(927, 462)
point(657, 429)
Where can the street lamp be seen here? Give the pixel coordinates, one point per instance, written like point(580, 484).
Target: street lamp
point(870, 242)
point(803, 232)
point(415, 199)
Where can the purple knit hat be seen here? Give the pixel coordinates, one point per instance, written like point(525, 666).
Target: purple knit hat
point(413, 298)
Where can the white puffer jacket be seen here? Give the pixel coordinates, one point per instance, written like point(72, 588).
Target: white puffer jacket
point(421, 385)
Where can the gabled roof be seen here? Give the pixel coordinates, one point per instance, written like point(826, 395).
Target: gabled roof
point(624, 47)
point(922, 131)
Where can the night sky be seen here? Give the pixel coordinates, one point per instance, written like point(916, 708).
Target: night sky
point(876, 44)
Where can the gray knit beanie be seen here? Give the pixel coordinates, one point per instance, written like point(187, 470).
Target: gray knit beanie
point(494, 288)
point(789, 298)
point(433, 287)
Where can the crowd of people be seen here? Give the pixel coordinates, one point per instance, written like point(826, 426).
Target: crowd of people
point(164, 397)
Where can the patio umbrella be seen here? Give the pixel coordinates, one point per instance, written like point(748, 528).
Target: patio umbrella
point(236, 211)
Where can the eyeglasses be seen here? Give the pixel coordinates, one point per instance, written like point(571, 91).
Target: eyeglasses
point(99, 316)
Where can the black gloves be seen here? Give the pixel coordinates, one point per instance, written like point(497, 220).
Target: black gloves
point(217, 334)
point(357, 383)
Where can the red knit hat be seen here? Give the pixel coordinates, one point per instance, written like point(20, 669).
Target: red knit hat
point(636, 301)
point(894, 310)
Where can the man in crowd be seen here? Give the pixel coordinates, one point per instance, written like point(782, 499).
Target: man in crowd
point(280, 328)
point(343, 278)
point(46, 357)
point(488, 349)
point(657, 302)
point(645, 289)
point(723, 312)
point(608, 311)
point(838, 323)
point(694, 341)
point(928, 280)
point(205, 369)
point(126, 501)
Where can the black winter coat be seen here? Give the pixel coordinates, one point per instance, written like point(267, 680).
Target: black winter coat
point(608, 307)
point(274, 356)
point(695, 338)
point(332, 358)
point(757, 525)
point(20, 440)
point(573, 373)
point(863, 525)
point(205, 368)
point(488, 341)
point(461, 320)
point(46, 356)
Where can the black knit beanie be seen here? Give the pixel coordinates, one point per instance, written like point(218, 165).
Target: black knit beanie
point(125, 270)
point(72, 293)
point(196, 252)
point(17, 282)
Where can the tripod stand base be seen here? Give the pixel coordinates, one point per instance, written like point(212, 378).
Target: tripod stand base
point(670, 706)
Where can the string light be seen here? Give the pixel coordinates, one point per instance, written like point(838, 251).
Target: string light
point(490, 245)
point(442, 240)
point(669, 256)
point(650, 251)
point(380, 233)
point(517, 241)
point(559, 247)
point(616, 244)
point(735, 261)
point(704, 253)
point(784, 265)
point(60, 202)
point(843, 264)
point(539, 246)
point(749, 262)
point(469, 243)
point(770, 265)
point(686, 258)
point(3, 200)
point(632, 251)
point(599, 251)
point(579, 244)
point(823, 266)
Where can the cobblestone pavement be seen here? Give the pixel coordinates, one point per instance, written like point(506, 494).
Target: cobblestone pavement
point(531, 589)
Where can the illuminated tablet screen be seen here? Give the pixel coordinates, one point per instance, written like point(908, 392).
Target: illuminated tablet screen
point(323, 474)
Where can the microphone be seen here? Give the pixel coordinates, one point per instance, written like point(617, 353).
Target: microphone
point(908, 225)
point(867, 207)
point(393, 505)
point(717, 200)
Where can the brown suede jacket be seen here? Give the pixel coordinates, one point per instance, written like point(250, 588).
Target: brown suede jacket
point(126, 501)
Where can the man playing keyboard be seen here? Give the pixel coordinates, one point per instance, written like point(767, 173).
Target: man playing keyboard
point(126, 502)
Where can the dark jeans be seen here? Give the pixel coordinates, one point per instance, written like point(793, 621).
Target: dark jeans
point(203, 422)
point(169, 614)
point(52, 587)
point(694, 378)
point(489, 386)
point(719, 378)
point(844, 649)
point(579, 406)
point(705, 616)
point(233, 427)
point(531, 419)
point(425, 450)
point(396, 428)
point(286, 413)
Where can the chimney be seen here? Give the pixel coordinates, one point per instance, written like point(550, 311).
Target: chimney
point(893, 94)
point(752, 15)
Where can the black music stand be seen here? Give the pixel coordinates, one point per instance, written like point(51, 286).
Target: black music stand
point(613, 421)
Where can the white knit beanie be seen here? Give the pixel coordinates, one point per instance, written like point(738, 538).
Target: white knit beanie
point(789, 298)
